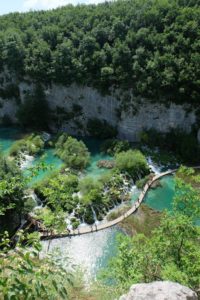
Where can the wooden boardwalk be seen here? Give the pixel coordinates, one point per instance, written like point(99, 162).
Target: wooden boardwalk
point(108, 224)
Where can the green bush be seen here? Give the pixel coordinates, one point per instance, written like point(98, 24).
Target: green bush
point(113, 146)
point(74, 153)
point(31, 144)
point(91, 190)
point(141, 182)
point(133, 162)
point(87, 184)
point(57, 190)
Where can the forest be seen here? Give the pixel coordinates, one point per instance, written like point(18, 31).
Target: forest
point(151, 46)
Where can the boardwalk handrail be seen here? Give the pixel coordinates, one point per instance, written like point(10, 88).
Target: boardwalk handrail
point(108, 224)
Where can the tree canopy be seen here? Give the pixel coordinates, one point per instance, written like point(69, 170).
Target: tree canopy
point(151, 46)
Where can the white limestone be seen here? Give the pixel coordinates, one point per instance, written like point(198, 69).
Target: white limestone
point(159, 290)
point(138, 115)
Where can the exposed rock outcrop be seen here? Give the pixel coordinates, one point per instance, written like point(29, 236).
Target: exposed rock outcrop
point(74, 105)
point(159, 290)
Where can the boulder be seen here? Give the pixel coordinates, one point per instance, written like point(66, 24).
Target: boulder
point(159, 290)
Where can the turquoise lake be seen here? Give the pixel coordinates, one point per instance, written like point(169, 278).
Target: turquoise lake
point(161, 197)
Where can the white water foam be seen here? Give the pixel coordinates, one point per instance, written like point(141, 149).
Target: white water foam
point(154, 167)
point(25, 160)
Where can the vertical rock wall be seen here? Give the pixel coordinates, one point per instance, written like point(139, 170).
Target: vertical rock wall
point(73, 106)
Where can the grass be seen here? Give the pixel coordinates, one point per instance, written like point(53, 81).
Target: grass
point(96, 291)
point(118, 212)
point(143, 221)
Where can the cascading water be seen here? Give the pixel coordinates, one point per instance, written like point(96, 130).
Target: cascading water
point(94, 215)
point(25, 160)
point(153, 167)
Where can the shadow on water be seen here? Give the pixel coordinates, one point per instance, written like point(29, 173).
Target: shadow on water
point(8, 136)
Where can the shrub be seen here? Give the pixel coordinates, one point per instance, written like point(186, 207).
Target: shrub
point(141, 182)
point(31, 144)
point(90, 189)
point(57, 191)
point(133, 162)
point(73, 152)
point(113, 146)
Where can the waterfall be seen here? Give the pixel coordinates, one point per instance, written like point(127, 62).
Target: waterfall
point(37, 200)
point(94, 215)
point(25, 160)
point(154, 167)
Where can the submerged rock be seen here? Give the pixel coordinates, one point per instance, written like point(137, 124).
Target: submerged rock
point(108, 164)
point(156, 184)
point(159, 290)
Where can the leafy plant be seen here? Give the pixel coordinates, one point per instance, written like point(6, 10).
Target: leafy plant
point(133, 162)
point(25, 276)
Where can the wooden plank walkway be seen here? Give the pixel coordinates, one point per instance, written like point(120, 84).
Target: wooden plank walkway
point(98, 227)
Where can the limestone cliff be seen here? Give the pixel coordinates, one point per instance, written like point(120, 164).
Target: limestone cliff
point(74, 105)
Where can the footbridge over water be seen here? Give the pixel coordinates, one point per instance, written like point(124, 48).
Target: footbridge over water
point(97, 227)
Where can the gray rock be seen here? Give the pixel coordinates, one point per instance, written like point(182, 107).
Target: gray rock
point(136, 114)
point(159, 290)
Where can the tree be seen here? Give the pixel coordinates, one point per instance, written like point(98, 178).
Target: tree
point(13, 50)
point(132, 162)
point(24, 276)
point(187, 196)
point(91, 190)
point(57, 191)
point(74, 153)
point(12, 188)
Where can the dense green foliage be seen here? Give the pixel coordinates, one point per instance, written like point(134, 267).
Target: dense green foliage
point(172, 251)
point(133, 162)
point(113, 146)
point(184, 145)
point(74, 153)
point(11, 187)
point(31, 145)
point(56, 191)
point(13, 201)
point(24, 276)
point(141, 182)
point(149, 45)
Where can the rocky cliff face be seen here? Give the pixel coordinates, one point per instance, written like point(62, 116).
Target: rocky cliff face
point(74, 105)
point(159, 290)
